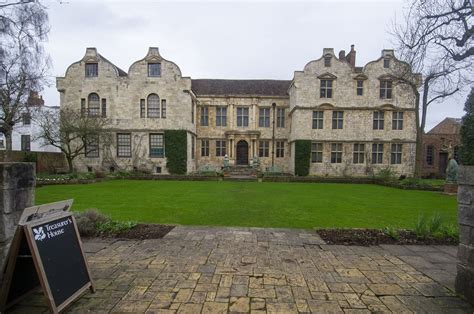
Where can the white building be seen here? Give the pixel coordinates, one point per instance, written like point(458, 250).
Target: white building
point(26, 131)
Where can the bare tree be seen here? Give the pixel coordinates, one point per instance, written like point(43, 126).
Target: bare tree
point(434, 41)
point(23, 62)
point(73, 132)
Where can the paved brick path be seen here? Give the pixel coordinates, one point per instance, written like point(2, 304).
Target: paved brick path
point(205, 270)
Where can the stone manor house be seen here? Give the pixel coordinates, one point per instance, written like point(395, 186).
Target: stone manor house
point(357, 119)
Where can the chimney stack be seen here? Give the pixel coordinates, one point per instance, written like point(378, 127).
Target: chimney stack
point(342, 55)
point(351, 57)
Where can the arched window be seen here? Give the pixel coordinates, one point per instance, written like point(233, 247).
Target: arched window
point(153, 106)
point(94, 104)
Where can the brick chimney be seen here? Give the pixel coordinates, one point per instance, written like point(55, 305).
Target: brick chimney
point(342, 55)
point(351, 57)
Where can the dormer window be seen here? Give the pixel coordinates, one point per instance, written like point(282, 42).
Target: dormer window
point(327, 61)
point(360, 87)
point(386, 63)
point(154, 69)
point(92, 69)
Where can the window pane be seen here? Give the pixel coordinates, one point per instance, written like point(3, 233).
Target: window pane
point(153, 106)
point(156, 145)
point(154, 69)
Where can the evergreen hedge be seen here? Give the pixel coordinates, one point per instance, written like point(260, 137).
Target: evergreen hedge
point(467, 132)
point(176, 151)
point(302, 157)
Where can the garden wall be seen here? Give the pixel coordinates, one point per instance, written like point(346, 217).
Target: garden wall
point(45, 162)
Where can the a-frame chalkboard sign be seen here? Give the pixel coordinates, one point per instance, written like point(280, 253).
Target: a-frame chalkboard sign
point(46, 250)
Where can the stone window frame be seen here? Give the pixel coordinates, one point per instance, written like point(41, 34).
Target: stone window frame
point(93, 105)
point(337, 119)
point(204, 148)
point(153, 106)
point(263, 148)
point(221, 116)
point(325, 88)
point(264, 117)
point(204, 121)
point(142, 108)
point(429, 160)
point(280, 149)
point(336, 153)
point(360, 87)
point(386, 63)
point(316, 152)
point(397, 120)
point(358, 153)
point(327, 61)
point(378, 120)
point(91, 146)
point(124, 145)
point(104, 108)
point(221, 148)
point(91, 69)
point(25, 142)
point(156, 142)
point(386, 89)
point(377, 153)
point(280, 117)
point(154, 72)
point(396, 151)
point(243, 116)
point(318, 119)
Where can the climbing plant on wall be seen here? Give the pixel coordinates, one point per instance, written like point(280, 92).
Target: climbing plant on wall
point(302, 157)
point(176, 151)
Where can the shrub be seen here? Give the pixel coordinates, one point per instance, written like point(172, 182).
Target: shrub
point(467, 132)
point(302, 157)
point(392, 233)
point(386, 174)
point(92, 223)
point(421, 228)
point(176, 151)
point(88, 220)
point(435, 223)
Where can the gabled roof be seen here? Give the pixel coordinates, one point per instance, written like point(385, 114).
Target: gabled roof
point(447, 126)
point(203, 87)
point(119, 70)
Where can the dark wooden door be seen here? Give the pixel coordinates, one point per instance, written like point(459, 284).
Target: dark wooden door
point(443, 163)
point(242, 153)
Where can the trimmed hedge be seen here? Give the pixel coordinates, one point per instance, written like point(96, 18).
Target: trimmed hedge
point(176, 151)
point(302, 157)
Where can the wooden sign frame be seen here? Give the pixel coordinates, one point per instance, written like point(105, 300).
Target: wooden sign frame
point(40, 267)
point(48, 212)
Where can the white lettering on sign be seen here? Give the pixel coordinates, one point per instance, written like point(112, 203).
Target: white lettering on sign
point(52, 230)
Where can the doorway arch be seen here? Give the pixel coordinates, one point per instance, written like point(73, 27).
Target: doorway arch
point(242, 153)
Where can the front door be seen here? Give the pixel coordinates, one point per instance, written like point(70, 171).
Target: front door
point(443, 163)
point(242, 153)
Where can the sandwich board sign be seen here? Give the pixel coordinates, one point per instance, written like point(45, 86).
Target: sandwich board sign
point(46, 251)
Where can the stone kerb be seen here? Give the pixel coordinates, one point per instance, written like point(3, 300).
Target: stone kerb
point(465, 274)
point(17, 191)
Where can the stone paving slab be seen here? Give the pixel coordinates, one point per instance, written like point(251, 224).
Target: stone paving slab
point(257, 270)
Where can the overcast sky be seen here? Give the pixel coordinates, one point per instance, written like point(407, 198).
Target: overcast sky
point(225, 39)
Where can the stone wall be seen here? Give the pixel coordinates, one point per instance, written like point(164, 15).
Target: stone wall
point(17, 183)
point(465, 275)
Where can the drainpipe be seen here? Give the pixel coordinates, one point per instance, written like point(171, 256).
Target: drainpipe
point(273, 135)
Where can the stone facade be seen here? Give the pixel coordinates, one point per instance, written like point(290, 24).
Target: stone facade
point(439, 144)
point(17, 182)
point(465, 275)
point(247, 119)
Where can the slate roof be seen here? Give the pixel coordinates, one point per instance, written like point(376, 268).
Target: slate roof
point(202, 87)
point(447, 126)
point(120, 71)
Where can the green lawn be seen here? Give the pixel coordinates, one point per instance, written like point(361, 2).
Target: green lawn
point(294, 205)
